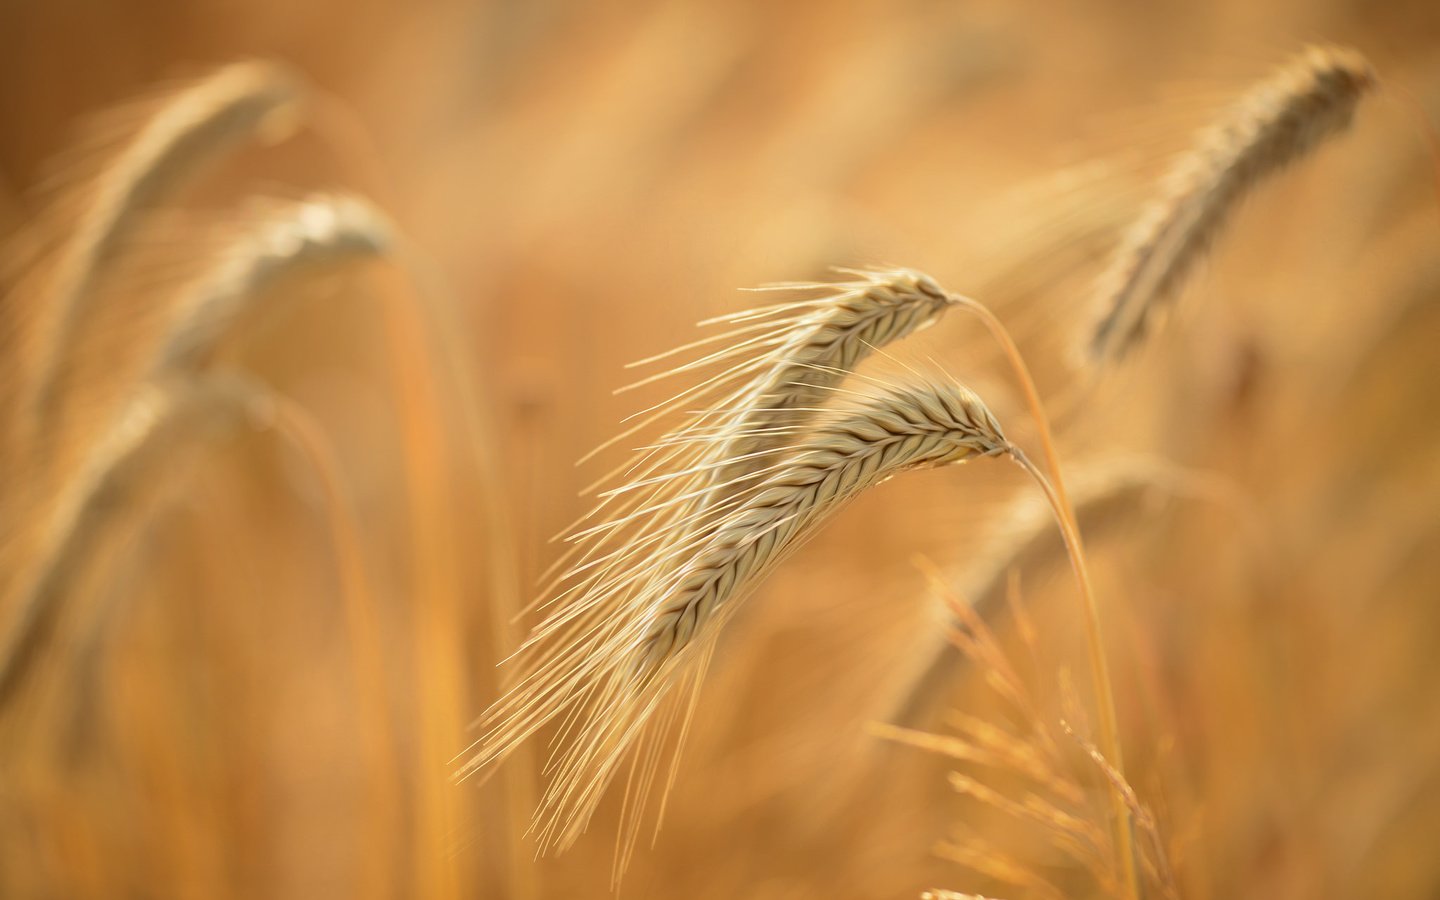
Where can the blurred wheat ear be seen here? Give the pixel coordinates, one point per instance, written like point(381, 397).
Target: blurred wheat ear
point(165, 422)
point(175, 139)
point(1023, 540)
point(282, 244)
point(1281, 120)
point(1109, 496)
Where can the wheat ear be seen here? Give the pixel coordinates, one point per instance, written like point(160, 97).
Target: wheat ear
point(165, 422)
point(1307, 101)
point(613, 662)
point(190, 129)
point(778, 362)
point(823, 346)
point(289, 241)
point(282, 243)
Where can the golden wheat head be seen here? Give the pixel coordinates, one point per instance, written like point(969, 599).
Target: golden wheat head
point(1307, 101)
point(614, 661)
point(187, 130)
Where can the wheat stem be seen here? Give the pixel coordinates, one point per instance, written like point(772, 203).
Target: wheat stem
point(1065, 516)
point(297, 427)
point(1100, 673)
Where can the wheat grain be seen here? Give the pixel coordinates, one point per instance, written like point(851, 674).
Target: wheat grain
point(1310, 99)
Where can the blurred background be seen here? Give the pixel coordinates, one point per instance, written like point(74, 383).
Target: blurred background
point(223, 714)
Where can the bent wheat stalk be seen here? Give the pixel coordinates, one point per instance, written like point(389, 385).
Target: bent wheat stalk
point(290, 241)
point(1309, 100)
point(613, 662)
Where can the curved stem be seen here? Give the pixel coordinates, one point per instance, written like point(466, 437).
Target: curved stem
point(1055, 492)
point(296, 427)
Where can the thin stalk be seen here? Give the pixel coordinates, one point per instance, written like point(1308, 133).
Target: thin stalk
point(437, 597)
point(368, 654)
point(1104, 698)
point(1054, 488)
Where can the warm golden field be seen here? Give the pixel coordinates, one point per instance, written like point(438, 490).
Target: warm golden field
point(255, 580)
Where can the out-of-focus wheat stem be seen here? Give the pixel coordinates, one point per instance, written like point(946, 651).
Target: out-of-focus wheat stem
point(294, 424)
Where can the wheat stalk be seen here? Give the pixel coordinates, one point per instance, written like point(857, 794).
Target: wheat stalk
point(612, 659)
point(1307, 101)
point(195, 126)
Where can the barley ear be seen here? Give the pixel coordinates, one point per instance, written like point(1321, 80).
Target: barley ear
point(282, 243)
point(1309, 100)
point(164, 423)
point(194, 127)
point(620, 660)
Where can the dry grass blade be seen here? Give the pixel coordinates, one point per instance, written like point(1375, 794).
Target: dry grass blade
point(1282, 119)
point(189, 129)
point(164, 422)
point(612, 659)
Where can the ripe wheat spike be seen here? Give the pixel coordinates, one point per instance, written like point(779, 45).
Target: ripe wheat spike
point(189, 129)
point(1282, 119)
point(778, 362)
point(614, 662)
point(282, 242)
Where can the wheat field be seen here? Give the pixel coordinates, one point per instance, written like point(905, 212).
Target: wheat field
point(1008, 449)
